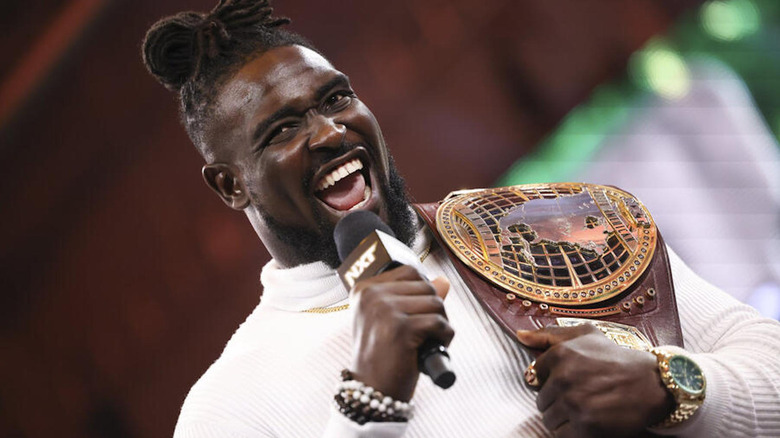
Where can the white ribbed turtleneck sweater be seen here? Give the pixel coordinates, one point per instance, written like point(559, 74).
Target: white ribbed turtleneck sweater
point(278, 373)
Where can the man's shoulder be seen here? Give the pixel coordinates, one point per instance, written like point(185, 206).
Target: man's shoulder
point(270, 351)
point(224, 397)
point(263, 367)
point(239, 363)
point(230, 389)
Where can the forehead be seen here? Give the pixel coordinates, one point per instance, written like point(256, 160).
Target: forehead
point(286, 75)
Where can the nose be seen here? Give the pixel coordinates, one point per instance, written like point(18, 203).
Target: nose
point(325, 133)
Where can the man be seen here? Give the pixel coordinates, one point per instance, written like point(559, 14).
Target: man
point(287, 141)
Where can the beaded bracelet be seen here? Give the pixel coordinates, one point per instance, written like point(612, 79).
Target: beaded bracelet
point(361, 403)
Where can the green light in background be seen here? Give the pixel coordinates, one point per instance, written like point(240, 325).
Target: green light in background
point(776, 124)
point(740, 33)
point(730, 20)
point(660, 69)
point(576, 141)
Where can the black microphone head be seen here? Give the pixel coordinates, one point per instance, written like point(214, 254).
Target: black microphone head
point(354, 227)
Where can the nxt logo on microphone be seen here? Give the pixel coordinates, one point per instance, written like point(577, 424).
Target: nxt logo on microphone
point(361, 264)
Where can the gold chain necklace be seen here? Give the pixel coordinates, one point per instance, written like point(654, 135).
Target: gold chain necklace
point(326, 309)
point(423, 256)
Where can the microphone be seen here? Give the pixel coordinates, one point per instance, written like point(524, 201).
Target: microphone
point(367, 247)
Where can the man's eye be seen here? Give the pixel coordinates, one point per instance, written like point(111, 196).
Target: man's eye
point(282, 133)
point(339, 100)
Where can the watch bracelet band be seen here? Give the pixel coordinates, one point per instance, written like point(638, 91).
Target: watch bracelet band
point(685, 405)
point(683, 412)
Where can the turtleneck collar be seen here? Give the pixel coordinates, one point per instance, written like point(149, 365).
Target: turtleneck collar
point(314, 284)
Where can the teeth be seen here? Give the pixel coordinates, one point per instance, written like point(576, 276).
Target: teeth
point(339, 173)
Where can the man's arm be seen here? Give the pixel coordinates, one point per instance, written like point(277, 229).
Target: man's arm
point(737, 349)
point(591, 387)
point(395, 312)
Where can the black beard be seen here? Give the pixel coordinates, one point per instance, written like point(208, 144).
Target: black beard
point(312, 246)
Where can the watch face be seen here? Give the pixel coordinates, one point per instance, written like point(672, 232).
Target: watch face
point(686, 374)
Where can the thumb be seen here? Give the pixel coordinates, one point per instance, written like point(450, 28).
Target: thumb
point(442, 286)
point(546, 337)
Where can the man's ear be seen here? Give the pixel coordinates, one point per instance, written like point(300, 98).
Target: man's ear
point(224, 180)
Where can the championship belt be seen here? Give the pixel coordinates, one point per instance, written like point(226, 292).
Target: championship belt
point(562, 253)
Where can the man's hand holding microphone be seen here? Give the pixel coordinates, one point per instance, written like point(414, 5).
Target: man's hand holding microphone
point(400, 325)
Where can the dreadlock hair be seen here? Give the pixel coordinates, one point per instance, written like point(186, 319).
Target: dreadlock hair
point(191, 53)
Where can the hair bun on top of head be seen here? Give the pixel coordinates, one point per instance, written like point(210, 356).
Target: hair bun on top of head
point(170, 51)
point(176, 47)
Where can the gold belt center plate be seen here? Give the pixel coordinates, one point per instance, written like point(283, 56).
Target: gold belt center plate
point(570, 244)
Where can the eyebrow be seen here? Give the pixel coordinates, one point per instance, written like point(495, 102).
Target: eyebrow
point(341, 80)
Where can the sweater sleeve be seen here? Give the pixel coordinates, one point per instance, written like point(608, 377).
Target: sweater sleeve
point(340, 426)
point(738, 352)
point(211, 429)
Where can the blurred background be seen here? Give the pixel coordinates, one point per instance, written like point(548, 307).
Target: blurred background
point(123, 276)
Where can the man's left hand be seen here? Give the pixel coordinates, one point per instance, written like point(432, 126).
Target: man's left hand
point(591, 387)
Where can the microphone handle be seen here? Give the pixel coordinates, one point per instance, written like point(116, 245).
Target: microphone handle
point(433, 360)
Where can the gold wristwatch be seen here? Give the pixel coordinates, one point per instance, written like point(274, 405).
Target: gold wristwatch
point(685, 380)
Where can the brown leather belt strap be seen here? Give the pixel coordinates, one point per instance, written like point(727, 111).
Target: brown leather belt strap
point(648, 305)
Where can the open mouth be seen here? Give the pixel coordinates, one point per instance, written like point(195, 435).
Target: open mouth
point(346, 187)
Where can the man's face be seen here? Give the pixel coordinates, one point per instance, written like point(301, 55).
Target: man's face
point(306, 149)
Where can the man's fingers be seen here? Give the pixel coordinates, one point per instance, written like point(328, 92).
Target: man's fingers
point(555, 416)
point(557, 353)
point(548, 393)
point(401, 281)
point(419, 304)
point(546, 337)
point(565, 430)
point(401, 273)
point(402, 287)
point(442, 286)
point(431, 326)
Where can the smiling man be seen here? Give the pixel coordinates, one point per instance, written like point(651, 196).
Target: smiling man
point(287, 141)
point(297, 151)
